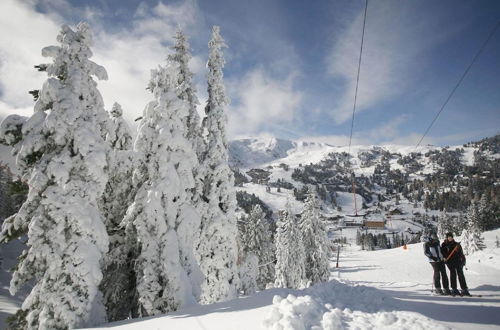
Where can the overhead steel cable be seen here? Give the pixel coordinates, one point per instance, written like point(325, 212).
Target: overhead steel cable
point(357, 77)
point(354, 105)
point(485, 43)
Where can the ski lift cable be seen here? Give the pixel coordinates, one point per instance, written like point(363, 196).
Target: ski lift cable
point(357, 77)
point(459, 82)
point(354, 104)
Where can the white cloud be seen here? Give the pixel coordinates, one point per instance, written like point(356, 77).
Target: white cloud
point(393, 53)
point(128, 55)
point(389, 129)
point(387, 133)
point(260, 100)
point(335, 140)
point(23, 33)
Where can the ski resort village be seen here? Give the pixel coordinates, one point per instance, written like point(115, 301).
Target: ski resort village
point(234, 165)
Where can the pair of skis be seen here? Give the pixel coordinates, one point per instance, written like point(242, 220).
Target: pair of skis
point(434, 293)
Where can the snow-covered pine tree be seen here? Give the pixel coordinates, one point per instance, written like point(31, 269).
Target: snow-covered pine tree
point(248, 272)
point(426, 230)
point(217, 250)
point(161, 205)
point(471, 239)
point(487, 216)
point(256, 239)
point(64, 158)
point(119, 134)
point(189, 229)
point(370, 244)
point(358, 237)
point(11, 134)
point(118, 281)
point(444, 225)
point(248, 263)
point(187, 91)
point(6, 205)
point(315, 240)
point(290, 255)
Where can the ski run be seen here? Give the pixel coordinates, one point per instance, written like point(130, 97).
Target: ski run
point(385, 289)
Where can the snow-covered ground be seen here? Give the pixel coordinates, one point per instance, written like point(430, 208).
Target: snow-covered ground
point(387, 289)
point(406, 276)
point(384, 289)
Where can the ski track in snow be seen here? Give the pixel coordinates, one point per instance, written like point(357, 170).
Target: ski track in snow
point(406, 276)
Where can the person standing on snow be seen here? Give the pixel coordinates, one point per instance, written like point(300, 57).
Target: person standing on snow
point(432, 250)
point(455, 260)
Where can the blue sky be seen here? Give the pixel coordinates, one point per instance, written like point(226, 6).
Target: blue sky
point(291, 65)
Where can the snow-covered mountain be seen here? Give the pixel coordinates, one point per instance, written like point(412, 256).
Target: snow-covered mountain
point(428, 180)
point(263, 151)
point(257, 151)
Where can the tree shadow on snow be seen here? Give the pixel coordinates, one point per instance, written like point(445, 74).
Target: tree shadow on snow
point(260, 299)
point(354, 269)
point(488, 288)
point(458, 310)
point(3, 318)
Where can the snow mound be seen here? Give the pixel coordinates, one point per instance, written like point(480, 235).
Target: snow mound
point(335, 305)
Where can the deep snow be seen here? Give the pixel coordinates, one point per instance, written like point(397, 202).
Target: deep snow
point(370, 290)
point(387, 289)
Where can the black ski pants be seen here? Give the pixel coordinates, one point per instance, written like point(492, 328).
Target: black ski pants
point(440, 272)
point(457, 269)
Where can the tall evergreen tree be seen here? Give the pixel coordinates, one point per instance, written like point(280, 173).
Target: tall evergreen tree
point(6, 204)
point(64, 158)
point(162, 204)
point(426, 231)
point(256, 239)
point(488, 218)
point(217, 249)
point(189, 229)
point(119, 281)
point(315, 240)
point(459, 224)
point(187, 91)
point(369, 242)
point(119, 135)
point(471, 239)
point(248, 262)
point(358, 238)
point(444, 225)
point(290, 254)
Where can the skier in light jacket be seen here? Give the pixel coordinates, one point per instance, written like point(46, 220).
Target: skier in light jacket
point(432, 250)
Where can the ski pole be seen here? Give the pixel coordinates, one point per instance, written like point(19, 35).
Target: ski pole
point(338, 251)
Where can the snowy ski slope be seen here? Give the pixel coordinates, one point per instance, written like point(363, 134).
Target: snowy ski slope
point(385, 289)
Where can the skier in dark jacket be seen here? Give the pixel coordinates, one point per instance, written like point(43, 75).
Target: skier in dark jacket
point(433, 251)
point(455, 260)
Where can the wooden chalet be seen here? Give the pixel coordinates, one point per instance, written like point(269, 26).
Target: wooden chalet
point(374, 224)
